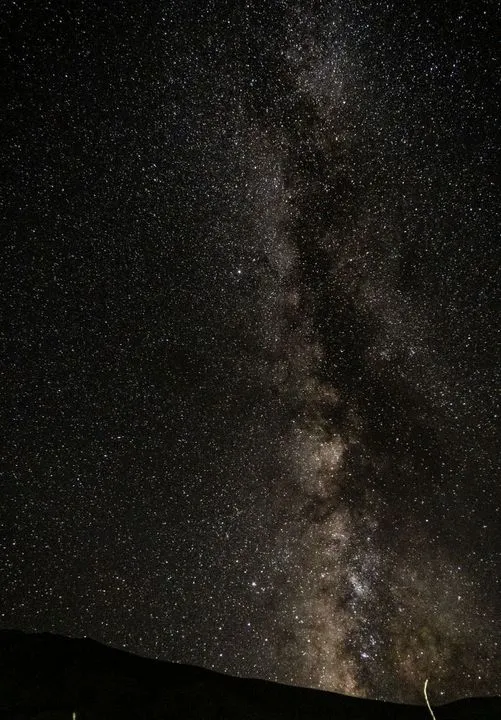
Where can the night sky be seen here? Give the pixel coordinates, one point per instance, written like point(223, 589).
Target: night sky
point(250, 284)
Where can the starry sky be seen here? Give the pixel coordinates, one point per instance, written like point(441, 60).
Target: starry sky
point(250, 327)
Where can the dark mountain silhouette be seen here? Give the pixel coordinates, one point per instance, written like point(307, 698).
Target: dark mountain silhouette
point(49, 677)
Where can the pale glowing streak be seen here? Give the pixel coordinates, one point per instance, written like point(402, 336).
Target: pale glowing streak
point(427, 701)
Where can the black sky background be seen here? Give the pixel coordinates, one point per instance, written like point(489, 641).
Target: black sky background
point(250, 282)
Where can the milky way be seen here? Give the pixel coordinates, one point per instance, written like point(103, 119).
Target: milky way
point(251, 280)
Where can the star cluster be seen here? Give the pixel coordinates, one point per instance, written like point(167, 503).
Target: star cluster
point(251, 286)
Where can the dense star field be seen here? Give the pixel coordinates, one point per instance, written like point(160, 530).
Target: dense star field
point(250, 289)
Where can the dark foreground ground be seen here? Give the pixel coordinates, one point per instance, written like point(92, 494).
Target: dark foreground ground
point(47, 677)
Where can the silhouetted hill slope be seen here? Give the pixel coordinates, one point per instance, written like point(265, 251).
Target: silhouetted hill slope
point(48, 677)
